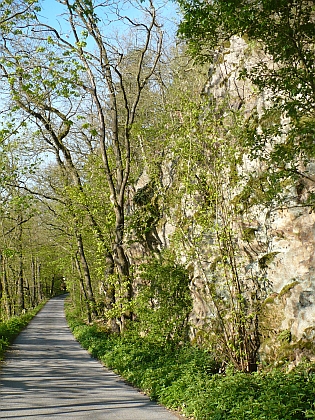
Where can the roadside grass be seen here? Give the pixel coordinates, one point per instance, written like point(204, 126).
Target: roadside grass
point(185, 378)
point(10, 329)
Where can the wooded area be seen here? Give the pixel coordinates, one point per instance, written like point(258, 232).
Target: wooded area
point(122, 173)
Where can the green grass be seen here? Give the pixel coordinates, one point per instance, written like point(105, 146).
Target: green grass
point(185, 379)
point(10, 329)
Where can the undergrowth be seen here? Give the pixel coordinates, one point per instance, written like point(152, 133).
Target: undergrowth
point(185, 378)
point(10, 329)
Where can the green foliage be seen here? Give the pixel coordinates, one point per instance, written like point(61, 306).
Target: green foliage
point(11, 328)
point(185, 378)
point(163, 302)
point(15, 11)
point(285, 336)
point(287, 288)
point(283, 30)
point(266, 259)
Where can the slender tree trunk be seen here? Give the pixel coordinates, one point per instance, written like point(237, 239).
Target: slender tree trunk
point(110, 290)
point(86, 275)
point(38, 281)
point(120, 256)
point(5, 289)
point(20, 284)
point(52, 286)
point(33, 291)
point(86, 300)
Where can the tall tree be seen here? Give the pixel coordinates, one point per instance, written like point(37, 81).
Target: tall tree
point(115, 120)
point(105, 76)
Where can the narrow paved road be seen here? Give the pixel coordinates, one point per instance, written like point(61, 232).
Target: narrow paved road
point(47, 375)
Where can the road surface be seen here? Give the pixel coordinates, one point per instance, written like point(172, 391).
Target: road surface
point(47, 375)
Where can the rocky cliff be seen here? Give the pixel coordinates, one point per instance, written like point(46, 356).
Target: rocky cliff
point(274, 243)
point(284, 233)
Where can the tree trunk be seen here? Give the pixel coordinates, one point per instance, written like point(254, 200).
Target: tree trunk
point(86, 300)
point(110, 290)
point(5, 289)
point(122, 263)
point(52, 286)
point(33, 291)
point(20, 284)
point(86, 275)
point(38, 282)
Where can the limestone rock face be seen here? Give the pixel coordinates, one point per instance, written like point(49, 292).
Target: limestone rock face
point(225, 77)
point(295, 263)
point(287, 233)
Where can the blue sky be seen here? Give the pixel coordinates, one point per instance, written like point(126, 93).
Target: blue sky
point(53, 11)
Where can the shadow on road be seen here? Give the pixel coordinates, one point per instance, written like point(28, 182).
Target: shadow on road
point(48, 375)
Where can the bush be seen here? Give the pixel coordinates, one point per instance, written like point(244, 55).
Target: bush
point(163, 302)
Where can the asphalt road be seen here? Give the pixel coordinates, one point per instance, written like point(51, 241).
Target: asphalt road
point(47, 375)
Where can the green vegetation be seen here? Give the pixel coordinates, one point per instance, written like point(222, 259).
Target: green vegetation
point(10, 329)
point(145, 176)
point(281, 32)
point(186, 378)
